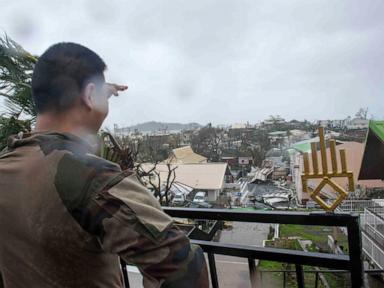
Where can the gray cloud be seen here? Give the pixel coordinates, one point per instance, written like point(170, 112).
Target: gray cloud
point(221, 61)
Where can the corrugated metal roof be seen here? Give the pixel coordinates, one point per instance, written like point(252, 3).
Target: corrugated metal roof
point(180, 188)
point(205, 176)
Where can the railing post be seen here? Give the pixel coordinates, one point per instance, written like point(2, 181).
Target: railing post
point(355, 252)
point(284, 279)
point(212, 270)
point(252, 272)
point(125, 273)
point(316, 279)
point(299, 276)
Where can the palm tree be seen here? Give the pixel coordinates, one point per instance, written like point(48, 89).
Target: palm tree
point(16, 67)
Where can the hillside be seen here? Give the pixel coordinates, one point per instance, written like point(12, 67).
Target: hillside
point(153, 126)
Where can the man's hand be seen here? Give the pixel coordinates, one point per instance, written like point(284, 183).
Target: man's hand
point(113, 89)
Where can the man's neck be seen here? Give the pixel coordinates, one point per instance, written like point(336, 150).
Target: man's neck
point(61, 124)
point(66, 124)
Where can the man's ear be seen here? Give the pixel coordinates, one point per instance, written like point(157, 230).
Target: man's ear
point(87, 96)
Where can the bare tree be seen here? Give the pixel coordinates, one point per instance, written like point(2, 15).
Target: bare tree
point(171, 177)
point(362, 113)
point(126, 152)
point(152, 177)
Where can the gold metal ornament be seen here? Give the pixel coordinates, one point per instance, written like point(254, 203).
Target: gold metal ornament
point(326, 175)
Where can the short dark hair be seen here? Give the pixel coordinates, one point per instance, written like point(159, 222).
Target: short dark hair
point(61, 73)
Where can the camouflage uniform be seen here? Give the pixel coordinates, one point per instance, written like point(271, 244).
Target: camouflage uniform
point(66, 215)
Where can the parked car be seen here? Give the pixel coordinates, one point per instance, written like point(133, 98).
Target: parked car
point(200, 197)
point(178, 199)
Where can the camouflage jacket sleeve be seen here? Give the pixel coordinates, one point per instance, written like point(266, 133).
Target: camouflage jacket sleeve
point(129, 222)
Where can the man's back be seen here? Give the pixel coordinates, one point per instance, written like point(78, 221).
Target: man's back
point(66, 215)
point(42, 245)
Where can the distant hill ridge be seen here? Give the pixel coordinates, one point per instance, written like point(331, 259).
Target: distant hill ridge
point(154, 126)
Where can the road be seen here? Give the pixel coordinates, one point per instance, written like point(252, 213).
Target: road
point(233, 271)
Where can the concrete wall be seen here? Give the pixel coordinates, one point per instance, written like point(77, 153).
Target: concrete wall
point(212, 195)
point(297, 167)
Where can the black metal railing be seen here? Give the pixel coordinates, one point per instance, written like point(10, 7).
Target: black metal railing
point(352, 262)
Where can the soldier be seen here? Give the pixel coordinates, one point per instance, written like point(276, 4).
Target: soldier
point(67, 215)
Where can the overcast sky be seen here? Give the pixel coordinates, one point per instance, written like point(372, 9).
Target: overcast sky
point(220, 61)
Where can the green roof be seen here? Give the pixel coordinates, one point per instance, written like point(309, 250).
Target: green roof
point(378, 128)
point(372, 166)
point(290, 151)
point(303, 147)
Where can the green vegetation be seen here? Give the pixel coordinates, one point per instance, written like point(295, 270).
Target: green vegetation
point(339, 280)
point(309, 278)
point(319, 237)
point(292, 244)
point(16, 67)
point(317, 234)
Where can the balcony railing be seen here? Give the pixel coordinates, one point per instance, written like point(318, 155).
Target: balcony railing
point(352, 262)
point(373, 235)
point(356, 206)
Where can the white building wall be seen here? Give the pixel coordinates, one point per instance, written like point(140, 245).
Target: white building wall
point(212, 195)
point(297, 171)
point(357, 124)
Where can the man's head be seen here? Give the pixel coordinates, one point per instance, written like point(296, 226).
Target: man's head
point(68, 79)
